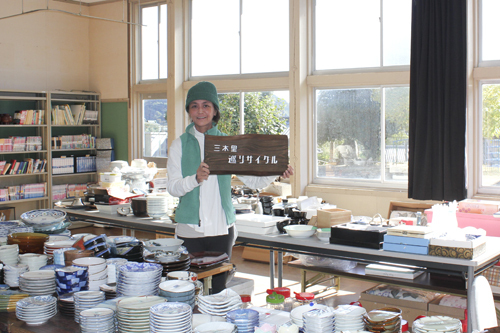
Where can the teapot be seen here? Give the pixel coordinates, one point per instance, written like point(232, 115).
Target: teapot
point(5, 119)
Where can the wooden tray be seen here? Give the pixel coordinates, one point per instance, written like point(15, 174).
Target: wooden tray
point(248, 154)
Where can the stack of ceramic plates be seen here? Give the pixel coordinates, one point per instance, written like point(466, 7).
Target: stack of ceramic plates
point(298, 312)
point(86, 300)
point(9, 298)
point(109, 290)
point(58, 255)
point(157, 206)
point(113, 264)
point(71, 279)
point(133, 313)
point(36, 310)
point(172, 317)
point(50, 246)
point(178, 291)
point(437, 324)
point(33, 260)
point(97, 320)
point(219, 304)
point(207, 259)
point(58, 237)
point(9, 254)
point(98, 272)
point(384, 320)
point(245, 319)
point(12, 272)
point(219, 327)
point(319, 320)
point(349, 318)
point(38, 283)
point(66, 305)
point(138, 279)
point(171, 261)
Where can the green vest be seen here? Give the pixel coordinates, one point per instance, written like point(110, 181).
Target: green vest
point(188, 209)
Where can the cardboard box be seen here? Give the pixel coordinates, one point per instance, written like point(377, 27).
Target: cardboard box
point(407, 206)
point(435, 309)
point(422, 306)
point(456, 252)
point(408, 314)
point(262, 255)
point(333, 216)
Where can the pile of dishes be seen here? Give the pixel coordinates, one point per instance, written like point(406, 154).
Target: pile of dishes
point(219, 304)
point(133, 313)
point(9, 254)
point(86, 300)
point(38, 283)
point(129, 248)
point(97, 270)
point(9, 298)
point(207, 259)
point(28, 242)
point(297, 313)
point(349, 318)
point(33, 260)
point(138, 279)
point(178, 291)
point(157, 206)
point(66, 305)
point(436, 324)
point(387, 320)
point(319, 320)
point(97, 320)
point(50, 246)
point(36, 310)
point(170, 261)
point(58, 255)
point(98, 245)
point(245, 319)
point(171, 317)
point(71, 279)
point(109, 290)
point(12, 273)
point(163, 244)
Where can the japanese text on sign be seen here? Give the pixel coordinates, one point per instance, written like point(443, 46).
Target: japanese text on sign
point(242, 159)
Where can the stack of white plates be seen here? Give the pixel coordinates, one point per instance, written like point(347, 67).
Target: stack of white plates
point(298, 312)
point(86, 300)
point(50, 246)
point(9, 254)
point(33, 260)
point(156, 206)
point(216, 327)
point(113, 264)
point(38, 283)
point(172, 317)
point(219, 304)
point(436, 324)
point(58, 255)
point(98, 272)
point(100, 320)
point(12, 272)
point(36, 310)
point(319, 320)
point(133, 313)
point(349, 318)
point(178, 291)
point(139, 279)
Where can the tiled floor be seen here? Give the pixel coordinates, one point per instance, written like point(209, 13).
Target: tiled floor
point(259, 273)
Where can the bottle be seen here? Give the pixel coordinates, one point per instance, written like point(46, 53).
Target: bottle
point(303, 299)
point(288, 303)
point(247, 301)
point(275, 301)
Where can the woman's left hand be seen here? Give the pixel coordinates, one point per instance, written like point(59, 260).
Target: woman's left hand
point(288, 172)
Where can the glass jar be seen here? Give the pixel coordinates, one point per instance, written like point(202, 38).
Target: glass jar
point(303, 299)
point(246, 301)
point(275, 301)
point(288, 303)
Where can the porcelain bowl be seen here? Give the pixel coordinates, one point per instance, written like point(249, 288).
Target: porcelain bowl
point(43, 217)
point(163, 244)
point(324, 234)
point(300, 230)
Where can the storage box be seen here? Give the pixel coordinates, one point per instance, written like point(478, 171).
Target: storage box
point(486, 222)
point(332, 216)
point(412, 231)
point(474, 206)
point(441, 310)
point(457, 249)
point(406, 244)
point(358, 235)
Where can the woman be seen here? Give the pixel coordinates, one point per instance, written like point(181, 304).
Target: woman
point(205, 213)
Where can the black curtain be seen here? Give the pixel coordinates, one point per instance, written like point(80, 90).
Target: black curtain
point(438, 100)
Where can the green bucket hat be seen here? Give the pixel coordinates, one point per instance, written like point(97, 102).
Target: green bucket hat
point(203, 90)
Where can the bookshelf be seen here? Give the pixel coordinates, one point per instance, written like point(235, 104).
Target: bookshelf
point(34, 129)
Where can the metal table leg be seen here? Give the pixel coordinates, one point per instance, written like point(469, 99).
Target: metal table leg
point(280, 269)
point(271, 268)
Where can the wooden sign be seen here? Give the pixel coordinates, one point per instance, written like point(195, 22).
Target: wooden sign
point(248, 154)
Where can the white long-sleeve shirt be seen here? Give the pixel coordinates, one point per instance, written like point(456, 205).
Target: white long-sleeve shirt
point(212, 216)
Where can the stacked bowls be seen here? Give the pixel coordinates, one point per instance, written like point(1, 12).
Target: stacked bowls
point(97, 270)
point(28, 242)
point(129, 248)
point(386, 320)
point(9, 254)
point(245, 319)
point(297, 314)
point(12, 273)
point(319, 320)
point(138, 279)
point(86, 300)
point(170, 317)
point(267, 204)
point(71, 279)
point(157, 206)
point(36, 310)
point(38, 283)
point(178, 291)
point(33, 260)
point(349, 318)
point(113, 264)
point(97, 320)
point(98, 245)
point(71, 255)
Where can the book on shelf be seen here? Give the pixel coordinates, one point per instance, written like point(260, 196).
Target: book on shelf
point(78, 111)
point(6, 168)
point(91, 117)
point(393, 271)
point(2, 166)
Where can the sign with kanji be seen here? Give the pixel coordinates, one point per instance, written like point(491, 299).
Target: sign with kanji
point(248, 154)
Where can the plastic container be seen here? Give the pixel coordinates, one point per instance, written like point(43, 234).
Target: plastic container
point(246, 301)
point(288, 303)
point(275, 301)
point(303, 299)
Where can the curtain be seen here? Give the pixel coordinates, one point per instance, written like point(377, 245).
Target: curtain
point(436, 165)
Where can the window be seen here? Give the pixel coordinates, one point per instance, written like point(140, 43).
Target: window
point(362, 33)
point(490, 25)
point(264, 113)
point(490, 162)
point(239, 37)
point(154, 42)
point(154, 126)
point(362, 134)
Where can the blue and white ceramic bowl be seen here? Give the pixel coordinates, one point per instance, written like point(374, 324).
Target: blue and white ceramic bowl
point(43, 217)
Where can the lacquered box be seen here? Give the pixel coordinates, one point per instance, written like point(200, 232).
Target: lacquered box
point(359, 235)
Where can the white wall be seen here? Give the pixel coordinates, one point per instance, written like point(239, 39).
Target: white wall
point(43, 50)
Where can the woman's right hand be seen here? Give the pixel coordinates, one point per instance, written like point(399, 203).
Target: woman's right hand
point(202, 173)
